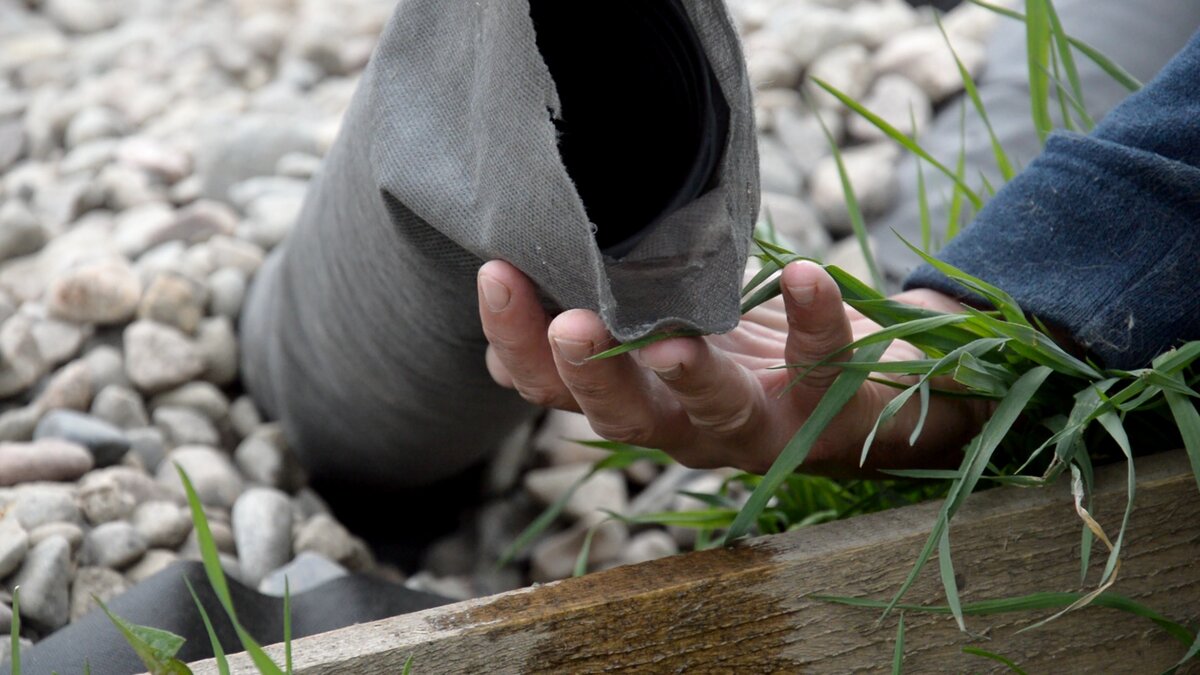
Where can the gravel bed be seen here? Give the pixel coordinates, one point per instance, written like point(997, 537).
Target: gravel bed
point(152, 152)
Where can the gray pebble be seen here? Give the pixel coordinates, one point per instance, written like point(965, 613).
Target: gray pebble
point(44, 460)
point(217, 343)
point(106, 442)
point(243, 416)
point(149, 445)
point(140, 228)
point(648, 545)
point(6, 617)
point(155, 561)
point(117, 545)
point(174, 300)
point(227, 292)
point(203, 397)
point(305, 573)
point(95, 122)
point(264, 458)
point(222, 535)
point(204, 219)
point(20, 231)
point(91, 583)
point(307, 503)
point(69, 531)
point(5, 642)
point(102, 501)
point(14, 543)
point(103, 292)
point(324, 535)
point(235, 253)
point(22, 361)
point(120, 406)
point(12, 143)
point(252, 147)
point(214, 477)
point(185, 426)
point(68, 389)
point(108, 367)
point(17, 424)
point(162, 524)
point(45, 579)
point(40, 505)
point(159, 357)
point(262, 529)
point(58, 340)
point(133, 480)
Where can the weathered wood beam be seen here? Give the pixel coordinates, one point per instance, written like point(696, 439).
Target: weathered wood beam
point(747, 608)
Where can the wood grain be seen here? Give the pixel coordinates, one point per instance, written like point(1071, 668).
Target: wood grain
point(747, 608)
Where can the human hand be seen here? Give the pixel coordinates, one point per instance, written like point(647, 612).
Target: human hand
point(720, 400)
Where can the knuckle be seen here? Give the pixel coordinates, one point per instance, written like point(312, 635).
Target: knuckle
point(542, 395)
point(621, 431)
point(730, 422)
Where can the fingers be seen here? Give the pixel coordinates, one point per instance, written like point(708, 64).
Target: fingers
point(817, 323)
point(515, 325)
point(621, 400)
point(720, 396)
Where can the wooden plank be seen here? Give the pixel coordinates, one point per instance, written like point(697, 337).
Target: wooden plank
point(745, 609)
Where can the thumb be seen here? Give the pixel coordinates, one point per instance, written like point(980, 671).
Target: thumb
point(817, 323)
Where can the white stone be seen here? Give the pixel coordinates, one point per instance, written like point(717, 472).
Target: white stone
point(104, 292)
point(898, 102)
point(846, 68)
point(922, 56)
point(872, 173)
point(159, 357)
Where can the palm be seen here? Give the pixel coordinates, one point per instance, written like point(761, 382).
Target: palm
point(721, 400)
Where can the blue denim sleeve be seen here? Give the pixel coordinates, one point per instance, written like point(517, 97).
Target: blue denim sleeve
point(1100, 235)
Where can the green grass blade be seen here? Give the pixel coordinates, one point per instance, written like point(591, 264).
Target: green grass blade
point(218, 650)
point(949, 583)
point(585, 551)
point(408, 665)
point(1037, 53)
point(1188, 421)
point(1030, 603)
point(999, 299)
point(216, 578)
point(696, 519)
point(1188, 656)
point(852, 208)
point(208, 547)
point(923, 210)
point(155, 648)
point(287, 626)
point(635, 345)
point(923, 474)
point(1002, 161)
point(975, 651)
point(539, 524)
point(900, 137)
point(14, 644)
point(1062, 42)
point(979, 453)
point(954, 213)
point(1113, 70)
point(898, 653)
point(1112, 424)
point(841, 391)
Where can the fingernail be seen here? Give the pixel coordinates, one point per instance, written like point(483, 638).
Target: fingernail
point(495, 294)
point(803, 294)
point(575, 352)
point(669, 373)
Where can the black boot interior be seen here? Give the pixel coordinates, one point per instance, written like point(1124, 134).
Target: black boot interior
point(643, 121)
